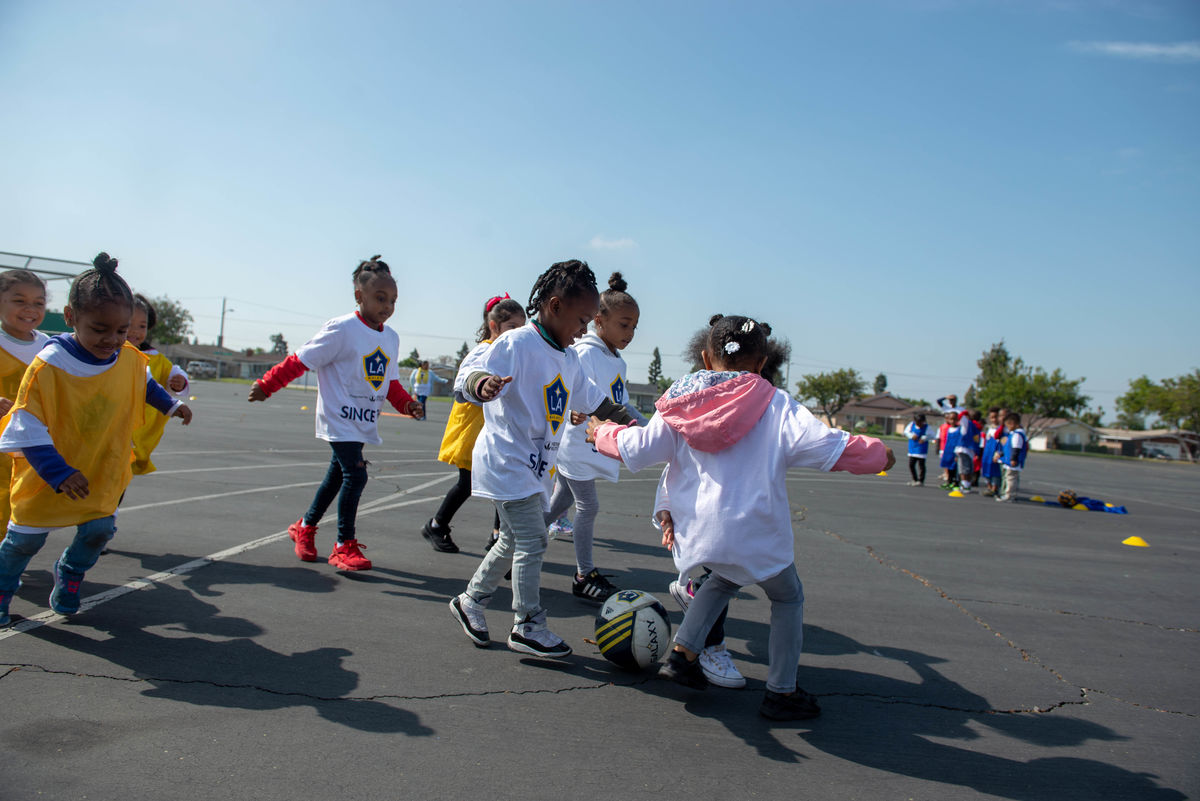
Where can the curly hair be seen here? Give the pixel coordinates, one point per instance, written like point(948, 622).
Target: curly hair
point(99, 286)
point(366, 271)
point(565, 279)
point(777, 351)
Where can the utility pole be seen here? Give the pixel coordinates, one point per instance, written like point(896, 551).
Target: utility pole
point(221, 336)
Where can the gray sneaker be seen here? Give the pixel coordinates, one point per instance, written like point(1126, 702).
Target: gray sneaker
point(531, 636)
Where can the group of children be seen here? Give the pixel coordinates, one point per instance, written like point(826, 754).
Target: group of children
point(76, 426)
point(971, 450)
point(540, 413)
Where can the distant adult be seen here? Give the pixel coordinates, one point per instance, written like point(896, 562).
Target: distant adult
point(949, 404)
point(422, 380)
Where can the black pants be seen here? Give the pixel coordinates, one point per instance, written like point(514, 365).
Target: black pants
point(455, 498)
point(913, 461)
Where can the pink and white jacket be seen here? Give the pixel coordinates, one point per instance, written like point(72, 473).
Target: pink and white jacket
point(728, 440)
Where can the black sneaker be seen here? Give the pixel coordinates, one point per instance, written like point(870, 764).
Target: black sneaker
point(678, 669)
point(797, 706)
point(439, 538)
point(593, 587)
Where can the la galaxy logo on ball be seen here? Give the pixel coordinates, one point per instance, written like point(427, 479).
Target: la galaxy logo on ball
point(633, 630)
point(555, 394)
point(375, 366)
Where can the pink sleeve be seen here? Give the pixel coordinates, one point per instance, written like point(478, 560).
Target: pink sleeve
point(606, 440)
point(862, 456)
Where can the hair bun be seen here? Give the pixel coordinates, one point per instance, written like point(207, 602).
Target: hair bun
point(617, 283)
point(376, 257)
point(716, 318)
point(104, 263)
point(766, 327)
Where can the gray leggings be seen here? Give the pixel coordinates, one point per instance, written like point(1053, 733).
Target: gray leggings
point(587, 506)
point(787, 622)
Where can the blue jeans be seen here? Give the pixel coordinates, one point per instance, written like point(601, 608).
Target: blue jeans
point(347, 475)
point(787, 622)
point(19, 547)
point(523, 537)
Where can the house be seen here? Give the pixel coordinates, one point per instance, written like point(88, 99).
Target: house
point(1057, 433)
point(229, 363)
point(643, 396)
point(884, 410)
point(1158, 443)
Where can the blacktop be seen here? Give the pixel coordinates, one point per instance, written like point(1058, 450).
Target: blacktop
point(960, 648)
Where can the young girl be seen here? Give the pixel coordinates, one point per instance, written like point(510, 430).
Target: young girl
point(147, 436)
point(500, 314)
point(22, 310)
point(69, 432)
point(529, 381)
point(989, 470)
point(579, 465)
point(355, 359)
point(917, 432)
point(729, 437)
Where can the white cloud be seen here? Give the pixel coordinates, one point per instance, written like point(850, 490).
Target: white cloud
point(1177, 52)
point(602, 243)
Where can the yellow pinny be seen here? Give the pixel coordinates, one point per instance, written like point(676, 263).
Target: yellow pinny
point(148, 434)
point(12, 370)
point(462, 429)
point(91, 420)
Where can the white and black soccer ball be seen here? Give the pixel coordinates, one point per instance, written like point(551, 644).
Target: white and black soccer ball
point(633, 630)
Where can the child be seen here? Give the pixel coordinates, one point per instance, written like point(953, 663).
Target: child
point(69, 433)
point(917, 432)
point(729, 437)
point(579, 465)
point(147, 436)
point(22, 310)
point(500, 314)
point(948, 435)
point(1016, 446)
point(989, 468)
point(355, 359)
point(530, 379)
point(422, 380)
point(964, 450)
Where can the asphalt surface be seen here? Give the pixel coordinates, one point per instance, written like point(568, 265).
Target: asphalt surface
point(960, 648)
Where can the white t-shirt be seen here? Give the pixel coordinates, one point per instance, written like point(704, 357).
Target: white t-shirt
point(471, 363)
point(515, 454)
point(578, 459)
point(730, 508)
point(355, 364)
point(20, 349)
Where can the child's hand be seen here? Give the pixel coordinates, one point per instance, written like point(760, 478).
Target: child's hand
point(184, 413)
point(593, 426)
point(577, 418)
point(490, 388)
point(891, 460)
point(667, 524)
point(257, 393)
point(5, 406)
point(177, 383)
point(75, 486)
point(415, 409)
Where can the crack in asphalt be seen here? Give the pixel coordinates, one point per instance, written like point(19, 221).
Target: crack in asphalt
point(1026, 655)
point(1081, 614)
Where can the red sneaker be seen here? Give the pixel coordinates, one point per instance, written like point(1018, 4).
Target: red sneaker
point(303, 536)
point(348, 556)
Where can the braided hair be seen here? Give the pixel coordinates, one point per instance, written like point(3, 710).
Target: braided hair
point(366, 271)
point(99, 286)
point(616, 295)
point(143, 304)
point(565, 279)
point(11, 278)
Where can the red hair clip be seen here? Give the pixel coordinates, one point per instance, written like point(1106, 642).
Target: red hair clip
point(487, 307)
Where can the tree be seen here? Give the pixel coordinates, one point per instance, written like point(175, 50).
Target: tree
point(462, 352)
point(1006, 381)
point(413, 360)
point(1175, 401)
point(655, 377)
point(831, 391)
point(880, 384)
point(174, 322)
point(971, 398)
point(1093, 418)
point(279, 345)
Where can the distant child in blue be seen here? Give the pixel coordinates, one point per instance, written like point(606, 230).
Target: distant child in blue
point(989, 468)
point(917, 432)
point(966, 450)
point(949, 442)
point(1016, 446)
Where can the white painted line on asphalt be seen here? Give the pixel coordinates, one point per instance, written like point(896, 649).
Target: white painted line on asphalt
point(379, 505)
point(276, 450)
point(266, 465)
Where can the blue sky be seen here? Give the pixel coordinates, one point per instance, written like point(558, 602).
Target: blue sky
point(894, 186)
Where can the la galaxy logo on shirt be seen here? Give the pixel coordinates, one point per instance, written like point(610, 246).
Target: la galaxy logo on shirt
point(375, 366)
point(618, 391)
point(555, 394)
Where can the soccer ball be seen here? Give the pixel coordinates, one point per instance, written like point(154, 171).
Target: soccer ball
point(1067, 498)
point(633, 630)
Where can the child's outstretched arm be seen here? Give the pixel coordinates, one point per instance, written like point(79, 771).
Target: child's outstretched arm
point(864, 456)
point(277, 378)
point(636, 446)
point(403, 402)
point(482, 387)
point(157, 397)
point(178, 380)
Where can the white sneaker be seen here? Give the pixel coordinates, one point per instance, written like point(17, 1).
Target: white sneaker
point(561, 528)
point(531, 636)
point(718, 666)
point(682, 593)
point(469, 615)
